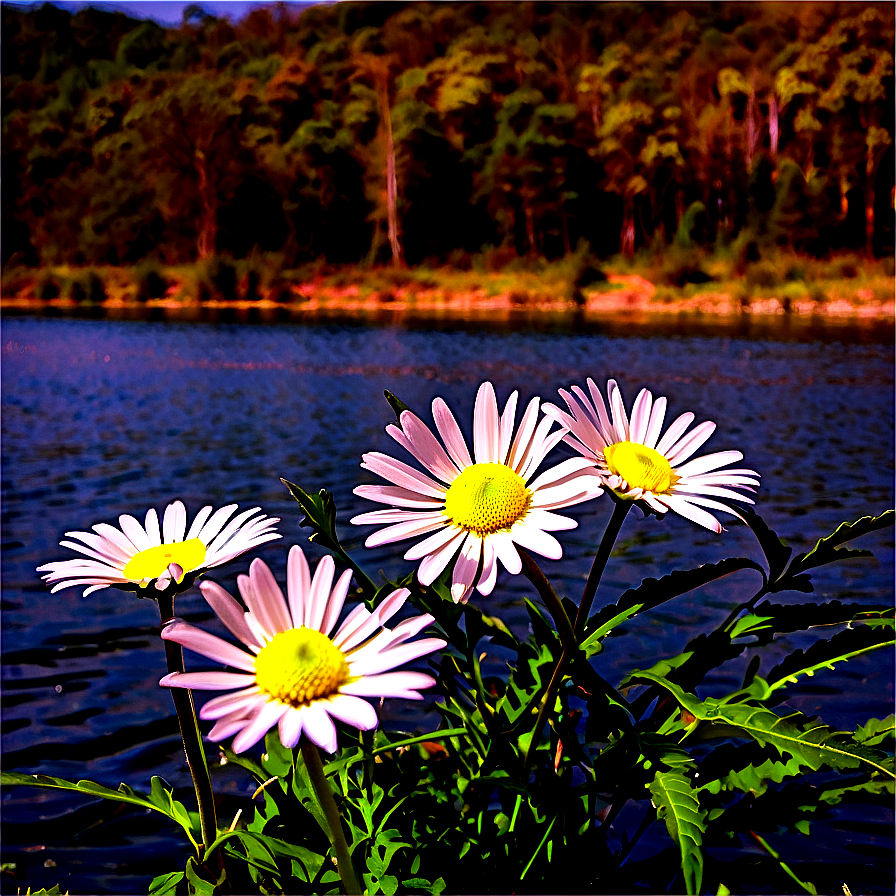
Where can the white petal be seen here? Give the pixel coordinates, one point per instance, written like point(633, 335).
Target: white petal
point(432, 543)
point(336, 602)
point(216, 523)
point(209, 645)
point(152, 526)
point(674, 432)
point(533, 539)
point(290, 728)
point(199, 522)
point(394, 657)
point(655, 426)
point(640, 416)
point(687, 445)
point(435, 561)
point(404, 530)
point(298, 584)
point(389, 684)
point(400, 497)
point(402, 475)
point(319, 595)
point(489, 574)
point(228, 610)
point(451, 434)
point(708, 462)
point(227, 704)
point(207, 681)
point(506, 552)
point(466, 567)
point(684, 508)
point(353, 711)
point(485, 425)
point(505, 427)
point(415, 436)
point(519, 450)
point(565, 470)
point(549, 522)
point(269, 593)
point(319, 727)
point(269, 715)
point(135, 532)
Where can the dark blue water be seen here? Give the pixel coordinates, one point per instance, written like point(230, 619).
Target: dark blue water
point(102, 418)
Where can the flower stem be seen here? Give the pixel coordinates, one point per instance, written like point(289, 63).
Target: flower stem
point(331, 812)
point(533, 573)
point(620, 509)
point(189, 731)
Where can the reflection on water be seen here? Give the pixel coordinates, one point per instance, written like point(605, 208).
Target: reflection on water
point(107, 417)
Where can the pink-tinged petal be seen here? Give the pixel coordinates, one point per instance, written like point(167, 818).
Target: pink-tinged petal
point(703, 501)
point(350, 623)
point(695, 488)
point(465, 568)
point(408, 628)
point(432, 543)
point(640, 416)
point(347, 638)
point(519, 450)
point(174, 522)
point(684, 508)
point(228, 610)
point(228, 704)
point(321, 584)
point(708, 462)
point(489, 574)
point(259, 725)
point(319, 727)
point(451, 434)
point(95, 555)
point(116, 536)
point(549, 522)
point(290, 728)
point(675, 432)
point(389, 684)
point(617, 406)
point(369, 663)
point(216, 523)
point(353, 711)
point(599, 408)
point(687, 445)
point(105, 549)
point(575, 492)
point(652, 501)
point(404, 530)
point(336, 602)
point(258, 611)
point(199, 521)
point(537, 449)
point(220, 541)
point(417, 438)
point(400, 497)
point(269, 592)
point(402, 475)
point(298, 584)
point(533, 539)
point(235, 548)
point(506, 552)
point(207, 681)
point(383, 517)
point(135, 532)
point(208, 645)
point(567, 469)
point(434, 563)
point(152, 526)
point(505, 426)
point(228, 726)
point(728, 477)
point(485, 425)
point(655, 426)
point(96, 584)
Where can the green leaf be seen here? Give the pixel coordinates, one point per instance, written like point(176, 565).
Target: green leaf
point(397, 405)
point(653, 592)
point(199, 883)
point(159, 800)
point(776, 552)
point(798, 617)
point(814, 744)
point(823, 654)
point(826, 549)
point(677, 804)
point(165, 884)
point(320, 515)
point(875, 732)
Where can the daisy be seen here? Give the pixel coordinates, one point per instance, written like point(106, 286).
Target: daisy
point(481, 510)
point(638, 465)
point(136, 555)
point(295, 674)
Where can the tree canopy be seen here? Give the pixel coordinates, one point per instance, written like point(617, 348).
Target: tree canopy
point(394, 132)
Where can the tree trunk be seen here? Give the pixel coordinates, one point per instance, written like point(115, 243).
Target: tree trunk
point(208, 225)
point(530, 230)
point(869, 204)
point(627, 238)
point(391, 180)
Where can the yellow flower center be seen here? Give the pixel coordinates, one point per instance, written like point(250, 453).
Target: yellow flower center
point(486, 498)
point(641, 467)
point(152, 562)
point(300, 665)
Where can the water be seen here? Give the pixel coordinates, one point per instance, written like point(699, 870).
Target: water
point(108, 417)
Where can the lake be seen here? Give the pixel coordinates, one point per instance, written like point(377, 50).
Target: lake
point(104, 417)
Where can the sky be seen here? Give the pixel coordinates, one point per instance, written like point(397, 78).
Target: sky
point(165, 12)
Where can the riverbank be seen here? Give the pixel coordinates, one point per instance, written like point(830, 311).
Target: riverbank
point(857, 293)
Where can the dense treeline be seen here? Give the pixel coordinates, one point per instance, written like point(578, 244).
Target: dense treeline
point(433, 131)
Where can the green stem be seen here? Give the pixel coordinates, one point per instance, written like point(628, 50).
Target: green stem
point(189, 731)
point(533, 573)
point(433, 735)
point(620, 509)
point(331, 812)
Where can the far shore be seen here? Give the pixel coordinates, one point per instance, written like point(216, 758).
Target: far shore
point(461, 294)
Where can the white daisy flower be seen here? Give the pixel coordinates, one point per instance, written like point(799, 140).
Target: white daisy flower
point(296, 675)
point(136, 555)
point(638, 465)
point(482, 509)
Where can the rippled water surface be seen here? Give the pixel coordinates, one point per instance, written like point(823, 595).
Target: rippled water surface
point(102, 418)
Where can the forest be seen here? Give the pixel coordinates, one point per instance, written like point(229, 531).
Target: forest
point(400, 134)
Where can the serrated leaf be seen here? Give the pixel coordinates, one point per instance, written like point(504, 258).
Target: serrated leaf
point(653, 592)
point(815, 744)
point(751, 624)
point(678, 805)
point(199, 883)
point(160, 800)
point(747, 768)
point(827, 549)
point(776, 552)
point(875, 731)
point(799, 617)
point(823, 654)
